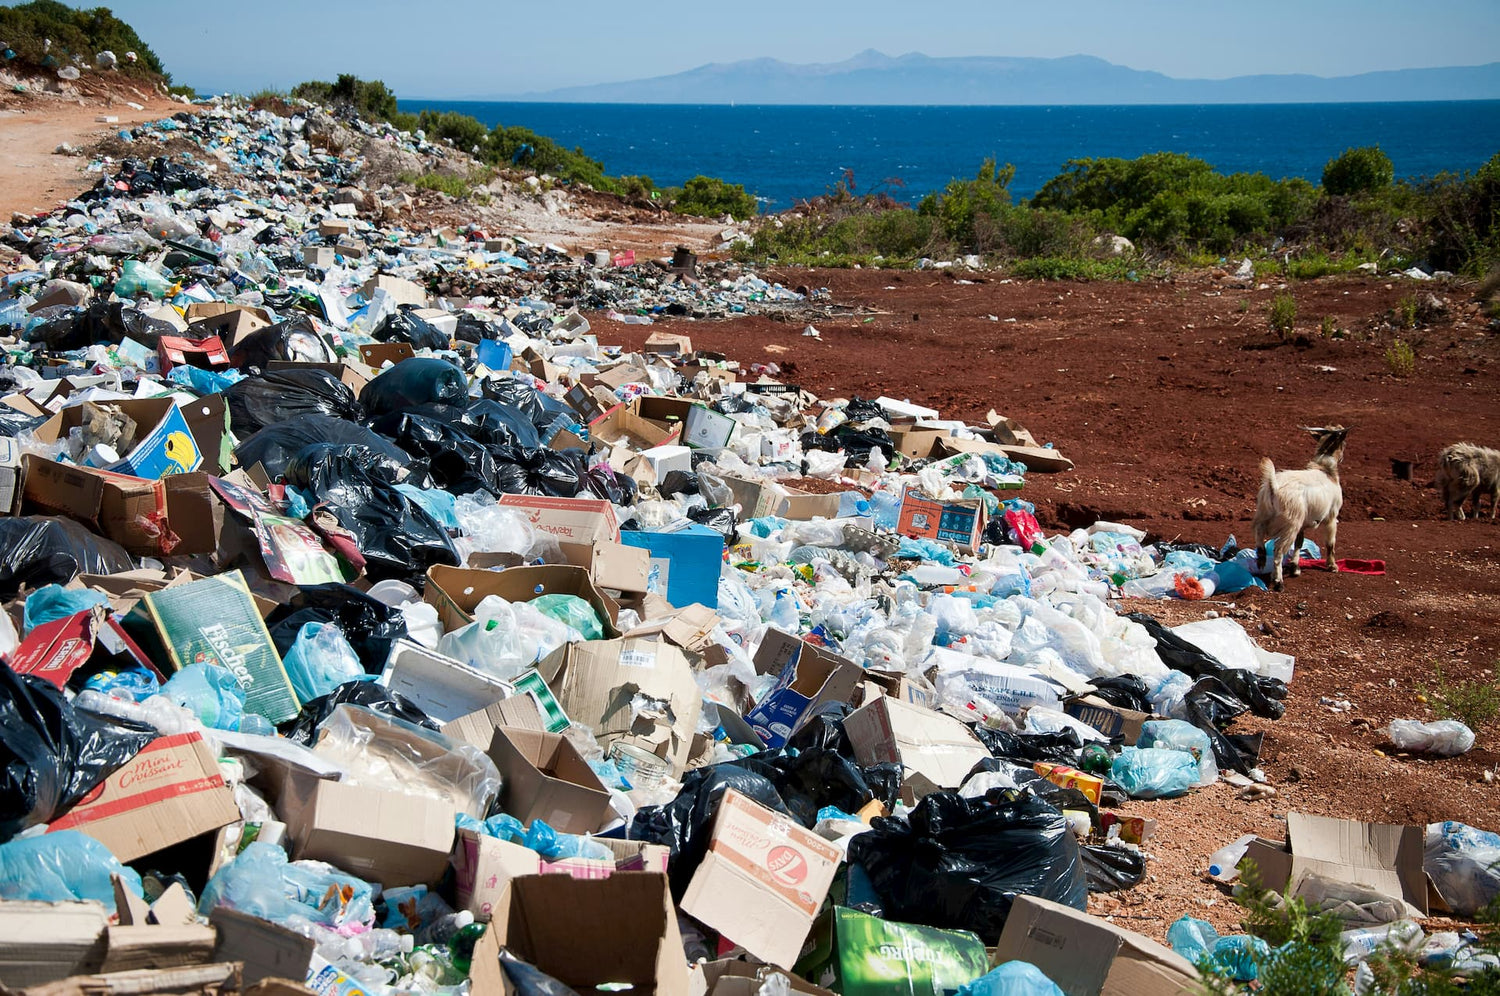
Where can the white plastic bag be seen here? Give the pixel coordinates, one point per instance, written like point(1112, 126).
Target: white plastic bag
point(1445, 737)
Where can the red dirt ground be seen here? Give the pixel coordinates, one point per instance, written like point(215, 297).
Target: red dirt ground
point(1166, 394)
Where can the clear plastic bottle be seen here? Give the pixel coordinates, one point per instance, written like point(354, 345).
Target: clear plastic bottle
point(884, 509)
point(1223, 863)
point(784, 614)
point(1361, 942)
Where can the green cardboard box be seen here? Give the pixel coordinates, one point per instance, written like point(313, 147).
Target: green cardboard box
point(215, 620)
point(855, 954)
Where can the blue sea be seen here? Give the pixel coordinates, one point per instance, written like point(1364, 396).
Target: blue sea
point(783, 154)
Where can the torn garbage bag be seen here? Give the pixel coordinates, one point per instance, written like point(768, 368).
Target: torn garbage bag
point(52, 755)
point(1261, 694)
point(398, 538)
point(296, 339)
point(960, 863)
point(1111, 869)
point(813, 779)
point(404, 326)
point(279, 395)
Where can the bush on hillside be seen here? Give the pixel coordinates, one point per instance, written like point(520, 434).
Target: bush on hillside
point(26, 27)
point(1365, 170)
point(710, 197)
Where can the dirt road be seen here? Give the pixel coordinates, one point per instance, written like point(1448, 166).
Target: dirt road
point(32, 177)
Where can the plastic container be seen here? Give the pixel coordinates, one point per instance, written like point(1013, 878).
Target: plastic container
point(1223, 864)
point(1443, 738)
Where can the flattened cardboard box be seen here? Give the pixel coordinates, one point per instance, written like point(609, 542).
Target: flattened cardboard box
point(1085, 956)
point(477, 728)
point(763, 880)
point(1109, 719)
point(44, 942)
point(170, 792)
point(929, 743)
point(571, 520)
point(585, 933)
point(1384, 857)
point(543, 777)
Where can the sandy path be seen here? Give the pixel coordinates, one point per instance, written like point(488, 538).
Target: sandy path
point(32, 178)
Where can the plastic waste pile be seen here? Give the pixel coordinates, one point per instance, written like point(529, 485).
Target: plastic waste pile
point(395, 639)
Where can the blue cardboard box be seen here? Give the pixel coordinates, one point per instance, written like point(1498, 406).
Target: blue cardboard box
point(685, 564)
point(163, 444)
point(808, 677)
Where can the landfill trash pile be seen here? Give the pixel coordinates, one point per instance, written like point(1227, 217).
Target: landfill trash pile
point(374, 626)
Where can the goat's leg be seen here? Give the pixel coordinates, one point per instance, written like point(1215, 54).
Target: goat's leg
point(1333, 538)
point(1297, 553)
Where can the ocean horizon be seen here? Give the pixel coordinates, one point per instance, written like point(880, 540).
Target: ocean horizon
point(786, 153)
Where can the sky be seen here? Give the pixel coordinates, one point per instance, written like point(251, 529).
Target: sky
point(478, 48)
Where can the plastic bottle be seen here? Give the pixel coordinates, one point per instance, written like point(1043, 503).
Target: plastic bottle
point(1223, 863)
point(1095, 760)
point(884, 508)
point(784, 614)
point(1361, 942)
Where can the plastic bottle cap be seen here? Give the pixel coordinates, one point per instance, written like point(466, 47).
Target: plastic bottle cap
point(1215, 871)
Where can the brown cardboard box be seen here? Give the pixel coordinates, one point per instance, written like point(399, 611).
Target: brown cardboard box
point(960, 522)
point(455, 591)
point(929, 743)
point(352, 375)
point(670, 413)
point(571, 520)
point(732, 977)
point(595, 682)
point(484, 866)
point(809, 677)
point(170, 792)
point(621, 425)
point(915, 442)
point(173, 516)
point(44, 942)
point(1086, 956)
point(231, 323)
point(388, 837)
point(398, 289)
point(668, 344)
point(268, 950)
point(1109, 719)
point(1383, 858)
point(762, 881)
point(621, 929)
point(478, 728)
point(378, 354)
point(614, 566)
point(543, 777)
point(1037, 458)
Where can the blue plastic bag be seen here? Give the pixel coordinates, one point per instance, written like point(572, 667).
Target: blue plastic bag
point(56, 867)
point(1238, 954)
point(1014, 978)
point(209, 692)
point(1193, 939)
point(1177, 734)
point(320, 660)
point(1151, 773)
point(52, 602)
point(130, 685)
point(261, 882)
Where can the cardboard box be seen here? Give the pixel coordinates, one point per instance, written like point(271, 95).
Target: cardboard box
point(1369, 857)
point(144, 516)
point(57, 649)
point(440, 686)
point(588, 404)
point(585, 933)
point(398, 289)
point(163, 442)
point(763, 880)
point(455, 591)
point(483, 866)
point(321, 257)
point(916, 442)
point(215, 619)
point(178, 351)
point(1085, 955)
point(684, 564)
point(809, 677)
point(231, 323)
point(614, 566)
point(801, 506)
point(732, 977)
point(595, 682)
point(10, 476)
point(922, 741)
point(571, 520)
point(958, 522)
point(621, 425)
point(667, 344)
point(1037, 458)
point(267, 950)
point(705, 428)
point(543, 777)
point(670, 413)
point(169, 792)
point(378, 354)
point(477, 728)
point(332, 228)
point(45, 942)
point(1060, 774)
point(1115, 722)
point(388, 837)
point(856, 954)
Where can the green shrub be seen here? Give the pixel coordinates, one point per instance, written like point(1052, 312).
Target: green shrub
point(710, 197)
point(966, 209)
point(1329, 329)
point(1400, 358)
point(1365, 170)
point(1070, 268)
point(370, 99)
point(1407, 311)
point(26, 27)
point(1473, 703)
point(462, 131)
point(452, 184)
point(1282, 315)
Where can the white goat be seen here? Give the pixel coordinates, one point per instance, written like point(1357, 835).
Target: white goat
point(1464, 471)
point(1293, 501)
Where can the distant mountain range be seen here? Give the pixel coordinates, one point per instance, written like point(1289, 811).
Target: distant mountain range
point(875, 78)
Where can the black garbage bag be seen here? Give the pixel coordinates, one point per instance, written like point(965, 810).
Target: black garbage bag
point(279, 395)
point(685, 823)
point(959, 863)
point(484, 421)
point(856, 443)
point(52, 755)
point(528, 980)
point(824, 729)
point(101, 322)
point(274, 446)
point(1211, 706)
point(472, 328)
point(860, 410)
point(370, 625)
point(720, 520)
point(603, 482)
point(678, 482)
point(1060, 747)
point(555, 473)
point(1262, 694)
point(1125, 691)
point(398, 538)
point(404, 326)
point(812, 779)
point(1112, 869)
point(455, 462)
point(42, 549)
point(416, 381)
point(296, 338)
point(540, 409)
point(378, 698)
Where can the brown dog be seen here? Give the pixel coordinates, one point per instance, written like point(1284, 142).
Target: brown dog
point(1291, 502)
point(1465, 470)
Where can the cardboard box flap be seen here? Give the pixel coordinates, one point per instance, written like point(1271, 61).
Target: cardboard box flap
point(455, 591)
point(1085, 955)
